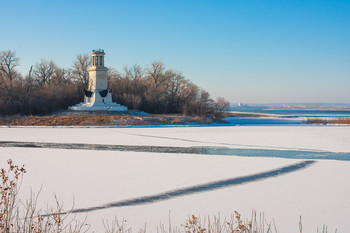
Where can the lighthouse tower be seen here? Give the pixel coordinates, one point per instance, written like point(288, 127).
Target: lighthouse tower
point(97, 96)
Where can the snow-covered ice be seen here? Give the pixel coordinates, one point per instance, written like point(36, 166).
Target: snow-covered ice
point(319, 193)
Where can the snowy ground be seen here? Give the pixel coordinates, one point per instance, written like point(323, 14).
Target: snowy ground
point(94, 179)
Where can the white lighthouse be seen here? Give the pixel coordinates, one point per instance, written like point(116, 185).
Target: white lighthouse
point(97, 96)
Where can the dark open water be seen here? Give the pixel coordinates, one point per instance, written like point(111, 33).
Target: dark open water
point(206, 150)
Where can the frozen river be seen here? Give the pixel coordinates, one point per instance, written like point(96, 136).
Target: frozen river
point(146, 174)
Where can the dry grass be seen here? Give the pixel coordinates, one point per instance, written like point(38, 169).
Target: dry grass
point(101, 120)
point(18, 216)
point(84, 120)
point(340, 121)
point(195, 224)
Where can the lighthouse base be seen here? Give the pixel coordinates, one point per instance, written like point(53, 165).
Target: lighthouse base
point(98, 103)
point(98, 107)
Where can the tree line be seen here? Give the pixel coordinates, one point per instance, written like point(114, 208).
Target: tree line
point(47, 88)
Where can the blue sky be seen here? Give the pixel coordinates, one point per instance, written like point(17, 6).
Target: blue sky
point(246, 51)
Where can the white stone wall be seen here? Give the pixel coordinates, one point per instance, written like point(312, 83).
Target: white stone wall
point(97, 78)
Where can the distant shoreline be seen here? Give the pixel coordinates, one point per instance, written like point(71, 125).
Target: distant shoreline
point(310, 109)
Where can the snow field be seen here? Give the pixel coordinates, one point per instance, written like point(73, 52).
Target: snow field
point(320, 193)
point(327, 138)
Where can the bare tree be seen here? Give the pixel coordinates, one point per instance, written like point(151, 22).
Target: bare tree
point(44, 71)
point(112, 74)
point(61, 76)
point(128, 86)
point(80, 69)
point(8, 74)
point(8, 63)
point(205, 102)
point(28, 84)
point(156, 73)
point(188, 98)
point(135, 76)
point(136, 72)
point(158, 79)
point(175, 86)
point(221, 104)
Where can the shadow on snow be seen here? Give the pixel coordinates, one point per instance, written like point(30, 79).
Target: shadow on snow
point(211, 186)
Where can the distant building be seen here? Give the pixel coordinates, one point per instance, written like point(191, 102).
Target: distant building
point(97, 96)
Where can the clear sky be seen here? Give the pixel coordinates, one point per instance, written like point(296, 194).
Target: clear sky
point(249, 51)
